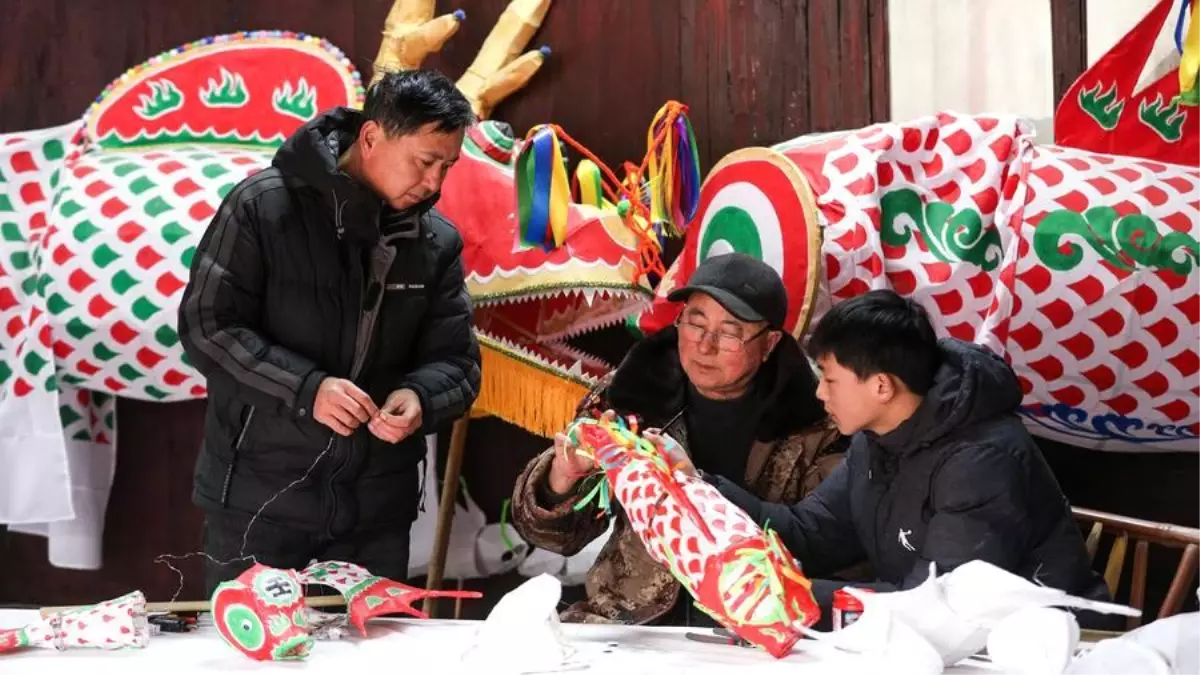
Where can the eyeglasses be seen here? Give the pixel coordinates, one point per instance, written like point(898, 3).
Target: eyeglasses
point(726, 342)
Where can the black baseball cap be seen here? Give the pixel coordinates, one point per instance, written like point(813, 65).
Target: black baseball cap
point(746, 287)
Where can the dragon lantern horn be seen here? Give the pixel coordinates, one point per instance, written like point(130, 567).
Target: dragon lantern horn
point(497, 70)
point(410, 33)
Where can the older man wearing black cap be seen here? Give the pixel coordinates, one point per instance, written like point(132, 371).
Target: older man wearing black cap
point(733, 388)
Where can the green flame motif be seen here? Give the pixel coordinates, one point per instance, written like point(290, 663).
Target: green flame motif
point(1165, 120)
point(299, 101)
point(231, 93)
point(278, 624)
point(165, 98)
point(1104, 108)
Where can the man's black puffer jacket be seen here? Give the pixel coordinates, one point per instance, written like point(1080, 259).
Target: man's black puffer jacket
point(304, 273)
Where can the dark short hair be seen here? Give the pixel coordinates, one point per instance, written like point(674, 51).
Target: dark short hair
point(404, 102)
point(880, 332)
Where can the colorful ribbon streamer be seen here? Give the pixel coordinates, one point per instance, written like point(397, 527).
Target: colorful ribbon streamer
point(1179, 21)
point(1189, 49)
point(590, 184)
point(543, 191)
point(674, 170)
point(667, 182)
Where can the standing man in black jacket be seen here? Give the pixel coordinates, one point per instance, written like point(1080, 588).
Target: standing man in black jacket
point(328, 311)
point(940, 467)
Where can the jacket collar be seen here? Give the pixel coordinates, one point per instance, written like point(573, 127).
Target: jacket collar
point(312, 154)
point(971, 386)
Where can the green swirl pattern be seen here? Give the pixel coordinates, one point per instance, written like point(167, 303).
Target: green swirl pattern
point(1126, 242)
point(951, 236)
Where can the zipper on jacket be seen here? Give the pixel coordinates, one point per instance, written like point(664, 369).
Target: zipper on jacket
point(237, 449)
point(371, 292)
point(371, 302)
point(883, 491)
point(337, 463)
point(332, 492)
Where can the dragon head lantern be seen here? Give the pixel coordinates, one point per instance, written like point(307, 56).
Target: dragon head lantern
point(543, 268)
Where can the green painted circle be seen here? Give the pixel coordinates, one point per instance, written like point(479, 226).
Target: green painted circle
point(731, 229)
point(244, 627)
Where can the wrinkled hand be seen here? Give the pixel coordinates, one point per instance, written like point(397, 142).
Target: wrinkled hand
point(676, 457)
point(399, 417)
point(568, 466)
point(341, 405)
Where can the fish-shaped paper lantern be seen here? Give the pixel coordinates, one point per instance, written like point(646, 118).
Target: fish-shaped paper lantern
point(738, 573)
point(262, 614)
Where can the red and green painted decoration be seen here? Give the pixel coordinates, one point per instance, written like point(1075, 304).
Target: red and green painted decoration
point(26, 178)
point(262, 613)
point(126, 226)
point(208, 92)
point(1104, 111)
point(490, 141)
point(1126, 242)
point(97, 244)
point(369, 596)
point(755, 202)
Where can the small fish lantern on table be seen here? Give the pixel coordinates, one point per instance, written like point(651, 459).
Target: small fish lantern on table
point(115, 624)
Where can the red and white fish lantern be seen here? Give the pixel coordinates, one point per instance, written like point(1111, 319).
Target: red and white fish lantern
point(738, 573)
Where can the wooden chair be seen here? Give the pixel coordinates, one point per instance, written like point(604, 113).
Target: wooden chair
point(1143, 533)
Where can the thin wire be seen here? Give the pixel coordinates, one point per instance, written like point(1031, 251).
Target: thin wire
point(165, 558)
point(246, 534)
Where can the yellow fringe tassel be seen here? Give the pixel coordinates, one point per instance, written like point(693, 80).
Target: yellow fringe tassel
point(525, 395)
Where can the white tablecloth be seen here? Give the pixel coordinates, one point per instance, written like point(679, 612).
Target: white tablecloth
point(402, 647)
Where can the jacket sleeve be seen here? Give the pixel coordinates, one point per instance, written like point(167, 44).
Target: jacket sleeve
point(977, 500)
point(817, 530)
point(558, 525)
point(447, 373)
point(560, 528)
point(220, 311)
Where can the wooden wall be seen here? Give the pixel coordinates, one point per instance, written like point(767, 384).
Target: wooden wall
point(754, 72)
point(1067, 21)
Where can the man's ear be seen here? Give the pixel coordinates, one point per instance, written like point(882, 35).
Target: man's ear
point(369, 135)
point(773, 339)
point(884, 387)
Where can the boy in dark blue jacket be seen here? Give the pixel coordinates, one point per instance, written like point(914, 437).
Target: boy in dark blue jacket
point(940, 467)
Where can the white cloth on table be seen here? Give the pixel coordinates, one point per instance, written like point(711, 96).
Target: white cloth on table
point(435, 646)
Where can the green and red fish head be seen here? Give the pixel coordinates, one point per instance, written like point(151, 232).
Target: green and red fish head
point(262, 614)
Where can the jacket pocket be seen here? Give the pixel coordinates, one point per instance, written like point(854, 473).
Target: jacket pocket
point(397, 327)
point(237, 448)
